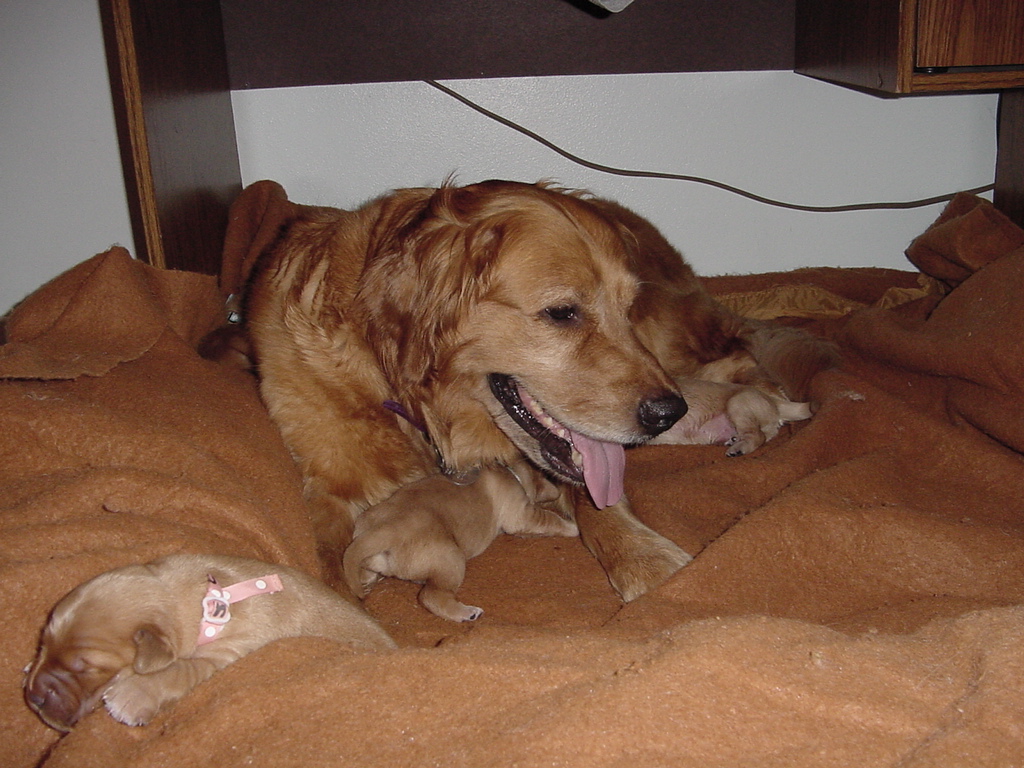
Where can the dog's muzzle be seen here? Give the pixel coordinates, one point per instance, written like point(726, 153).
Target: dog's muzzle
point(578, 458)
point(658, 414)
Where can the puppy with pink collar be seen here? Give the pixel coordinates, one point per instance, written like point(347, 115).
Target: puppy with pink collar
point(137, 638)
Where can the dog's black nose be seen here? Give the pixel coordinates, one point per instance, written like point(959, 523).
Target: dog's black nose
point(659, 413)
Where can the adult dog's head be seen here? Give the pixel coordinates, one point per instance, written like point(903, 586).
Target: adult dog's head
point(501, 312)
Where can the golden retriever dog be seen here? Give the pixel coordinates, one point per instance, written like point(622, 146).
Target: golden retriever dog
point(426, 531)
point(501, 319)
point(140, 637)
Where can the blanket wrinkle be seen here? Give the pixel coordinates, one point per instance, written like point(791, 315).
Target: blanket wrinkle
point(804, 300)
point(857, 600)
point(952, 718)
point(968, 234)
point(968, 341)
point(49, 333)
point(823, 297)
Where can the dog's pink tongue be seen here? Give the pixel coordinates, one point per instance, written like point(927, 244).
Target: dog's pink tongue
point(604, 465)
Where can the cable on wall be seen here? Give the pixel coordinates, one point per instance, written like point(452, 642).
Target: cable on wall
point(695, 179)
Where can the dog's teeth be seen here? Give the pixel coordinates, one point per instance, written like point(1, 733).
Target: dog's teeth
point(577, 458)
point(543, 417)
point(534, 408)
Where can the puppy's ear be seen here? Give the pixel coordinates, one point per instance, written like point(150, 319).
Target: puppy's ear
point(543, 489)
point(153, 650)
point(536, 484)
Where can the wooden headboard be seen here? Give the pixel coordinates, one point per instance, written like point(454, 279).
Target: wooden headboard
point(172, 84)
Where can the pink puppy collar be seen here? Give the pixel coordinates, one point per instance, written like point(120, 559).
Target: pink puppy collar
point(217, 603)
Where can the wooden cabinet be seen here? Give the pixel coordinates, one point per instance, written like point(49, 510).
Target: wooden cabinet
point(926, 46)
point(912, 46)
point(955, 33)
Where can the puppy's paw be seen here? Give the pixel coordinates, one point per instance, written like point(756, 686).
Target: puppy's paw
point(472, 613)
point(366, 584)
point(653, 560)
point(131, 701)
point(457, 611)
point(442, 602)
point(743, 444)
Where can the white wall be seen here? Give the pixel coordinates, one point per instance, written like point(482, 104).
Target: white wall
point(776, 133)
point(61, 187)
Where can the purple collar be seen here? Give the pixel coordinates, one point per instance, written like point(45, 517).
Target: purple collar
point(398, 408)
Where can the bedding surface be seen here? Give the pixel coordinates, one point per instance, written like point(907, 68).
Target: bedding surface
point(857, 598)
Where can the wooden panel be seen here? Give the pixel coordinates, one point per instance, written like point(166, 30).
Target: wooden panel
point(1009, 194)
point(273, 43)
point(970, 33)
point(173, 106)
point(863, 43)
point(873, 44)
point(941, 81)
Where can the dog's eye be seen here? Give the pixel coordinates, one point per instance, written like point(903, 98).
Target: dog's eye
point(563, 314)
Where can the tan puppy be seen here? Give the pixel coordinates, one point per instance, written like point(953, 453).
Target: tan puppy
point(428, 530)
point(131, 637)
point(742, 418)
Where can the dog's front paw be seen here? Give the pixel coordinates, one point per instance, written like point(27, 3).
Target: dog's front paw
point(131, 700)
point(653, 561)
point(635, 558)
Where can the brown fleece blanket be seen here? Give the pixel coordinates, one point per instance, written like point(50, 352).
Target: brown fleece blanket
point(857, 598)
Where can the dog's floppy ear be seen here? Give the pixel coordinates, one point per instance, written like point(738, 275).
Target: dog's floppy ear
point(153, 650)
point(420, 279)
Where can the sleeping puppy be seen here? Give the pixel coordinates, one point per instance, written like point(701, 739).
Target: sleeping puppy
point(742, 418)
point(140, 637)
point(428, 530)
